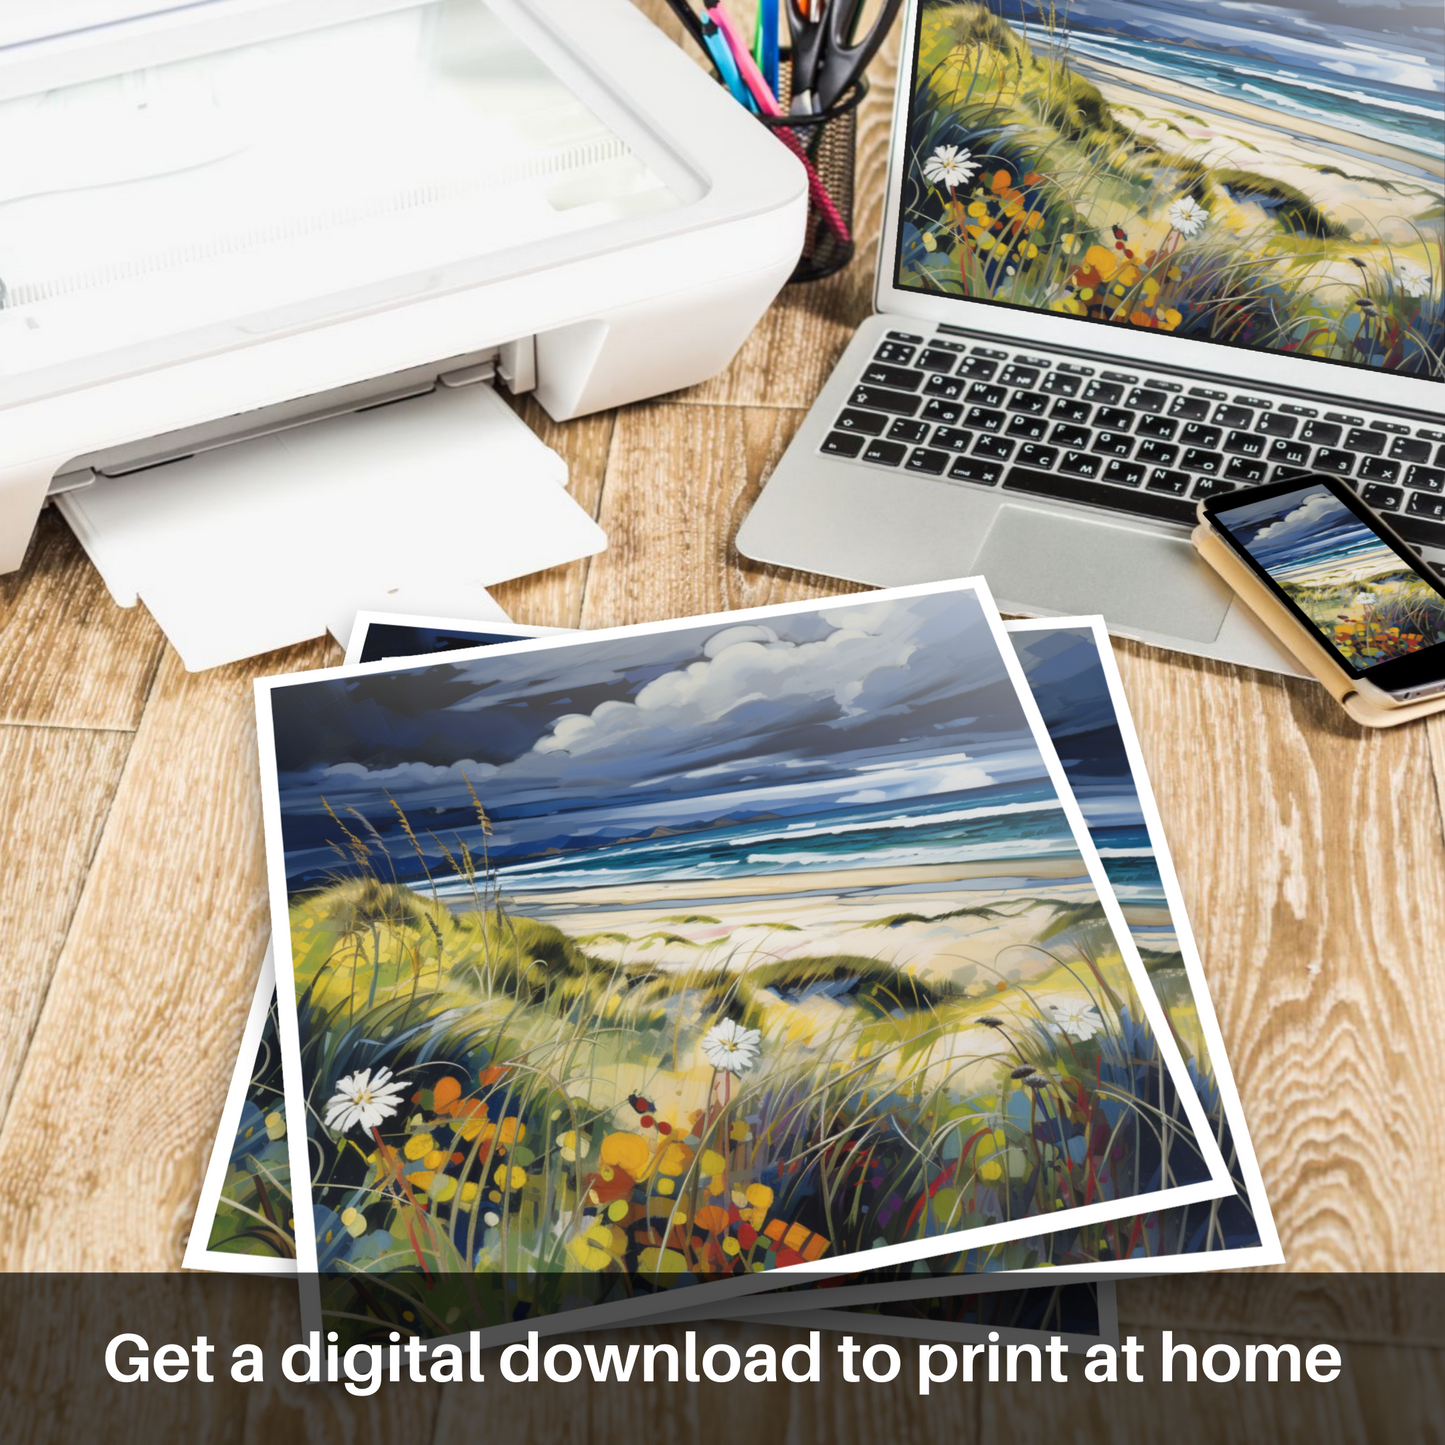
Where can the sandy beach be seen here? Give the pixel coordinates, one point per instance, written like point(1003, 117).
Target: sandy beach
point(1379, 196)
point(967, 925)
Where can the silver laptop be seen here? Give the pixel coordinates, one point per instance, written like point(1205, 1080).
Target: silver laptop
point(1129, 260)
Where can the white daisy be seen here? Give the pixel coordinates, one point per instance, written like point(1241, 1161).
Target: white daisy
point(1077, 1018)
point(950, 166)
point(1413, 280)
point(730, 1047)
point(1187, 216)
point(360, 1099)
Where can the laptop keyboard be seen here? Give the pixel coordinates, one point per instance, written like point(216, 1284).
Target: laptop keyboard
point(1139, 443)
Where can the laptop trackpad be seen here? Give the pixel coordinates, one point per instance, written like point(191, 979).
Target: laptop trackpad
point(1069, 564)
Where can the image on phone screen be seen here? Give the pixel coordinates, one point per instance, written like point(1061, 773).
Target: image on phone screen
point(1369, 603)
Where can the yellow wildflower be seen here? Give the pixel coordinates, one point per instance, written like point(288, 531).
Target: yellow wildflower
point(418, 1146)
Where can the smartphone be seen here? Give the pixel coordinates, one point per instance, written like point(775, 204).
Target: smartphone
point(1337, 567)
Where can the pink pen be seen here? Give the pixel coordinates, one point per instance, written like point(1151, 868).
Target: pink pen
point(768, 105)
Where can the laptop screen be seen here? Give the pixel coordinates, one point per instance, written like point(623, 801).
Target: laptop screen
point(1266, 176)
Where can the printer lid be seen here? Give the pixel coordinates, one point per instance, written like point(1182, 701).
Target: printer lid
point(182, 178)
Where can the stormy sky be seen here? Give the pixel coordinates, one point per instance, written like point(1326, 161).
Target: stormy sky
point(847, 705)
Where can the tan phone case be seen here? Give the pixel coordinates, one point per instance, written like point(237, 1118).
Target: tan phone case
point(1299, 640)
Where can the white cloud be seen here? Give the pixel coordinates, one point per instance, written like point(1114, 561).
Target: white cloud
point(744, 632)
point(740, 667)
point(917, 782)
point(1317, 507)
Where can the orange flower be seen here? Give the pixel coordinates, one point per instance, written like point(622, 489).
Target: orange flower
point(446, 1092)
point(798, 1239)
point(625, 1151)
point(1102, 260)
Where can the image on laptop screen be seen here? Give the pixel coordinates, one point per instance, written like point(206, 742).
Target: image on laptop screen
point(1267, 176)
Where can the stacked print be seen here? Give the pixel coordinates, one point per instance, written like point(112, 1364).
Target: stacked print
point(710, 954)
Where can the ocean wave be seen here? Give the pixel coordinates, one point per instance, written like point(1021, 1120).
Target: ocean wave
point(1137, 52)
point(1372, 100)
point(668, 870)
point(1125, 852)
point(895, 857)
point(904, 821)
point(650, 846)
point(1341, 119)
point(509, 880)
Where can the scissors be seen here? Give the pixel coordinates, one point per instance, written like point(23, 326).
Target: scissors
point(827, 55)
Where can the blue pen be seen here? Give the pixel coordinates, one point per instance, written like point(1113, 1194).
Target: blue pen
point(768, 29)
point(727, 67)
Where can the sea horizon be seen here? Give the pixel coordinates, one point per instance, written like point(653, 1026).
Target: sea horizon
point(1009, 824)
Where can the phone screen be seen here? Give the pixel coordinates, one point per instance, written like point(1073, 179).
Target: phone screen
point(1325, 555)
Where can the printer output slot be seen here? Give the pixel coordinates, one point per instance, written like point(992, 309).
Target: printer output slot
point(513, 362)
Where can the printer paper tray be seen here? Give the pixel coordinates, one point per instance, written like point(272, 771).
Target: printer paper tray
point(417, 506)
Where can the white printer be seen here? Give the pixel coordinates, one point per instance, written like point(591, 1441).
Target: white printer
point(232, 231)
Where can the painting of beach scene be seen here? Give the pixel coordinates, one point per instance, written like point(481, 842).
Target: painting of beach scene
point(1069, 676)
point(1267, 176)
point(1361, 595)
point(694, 952)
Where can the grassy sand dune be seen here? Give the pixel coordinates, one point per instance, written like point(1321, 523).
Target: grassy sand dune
point(566, 1112)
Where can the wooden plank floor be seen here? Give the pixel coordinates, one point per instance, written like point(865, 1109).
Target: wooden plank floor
point(1311, 854)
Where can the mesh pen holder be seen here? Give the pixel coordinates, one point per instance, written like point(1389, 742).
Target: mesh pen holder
point(827, 144)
